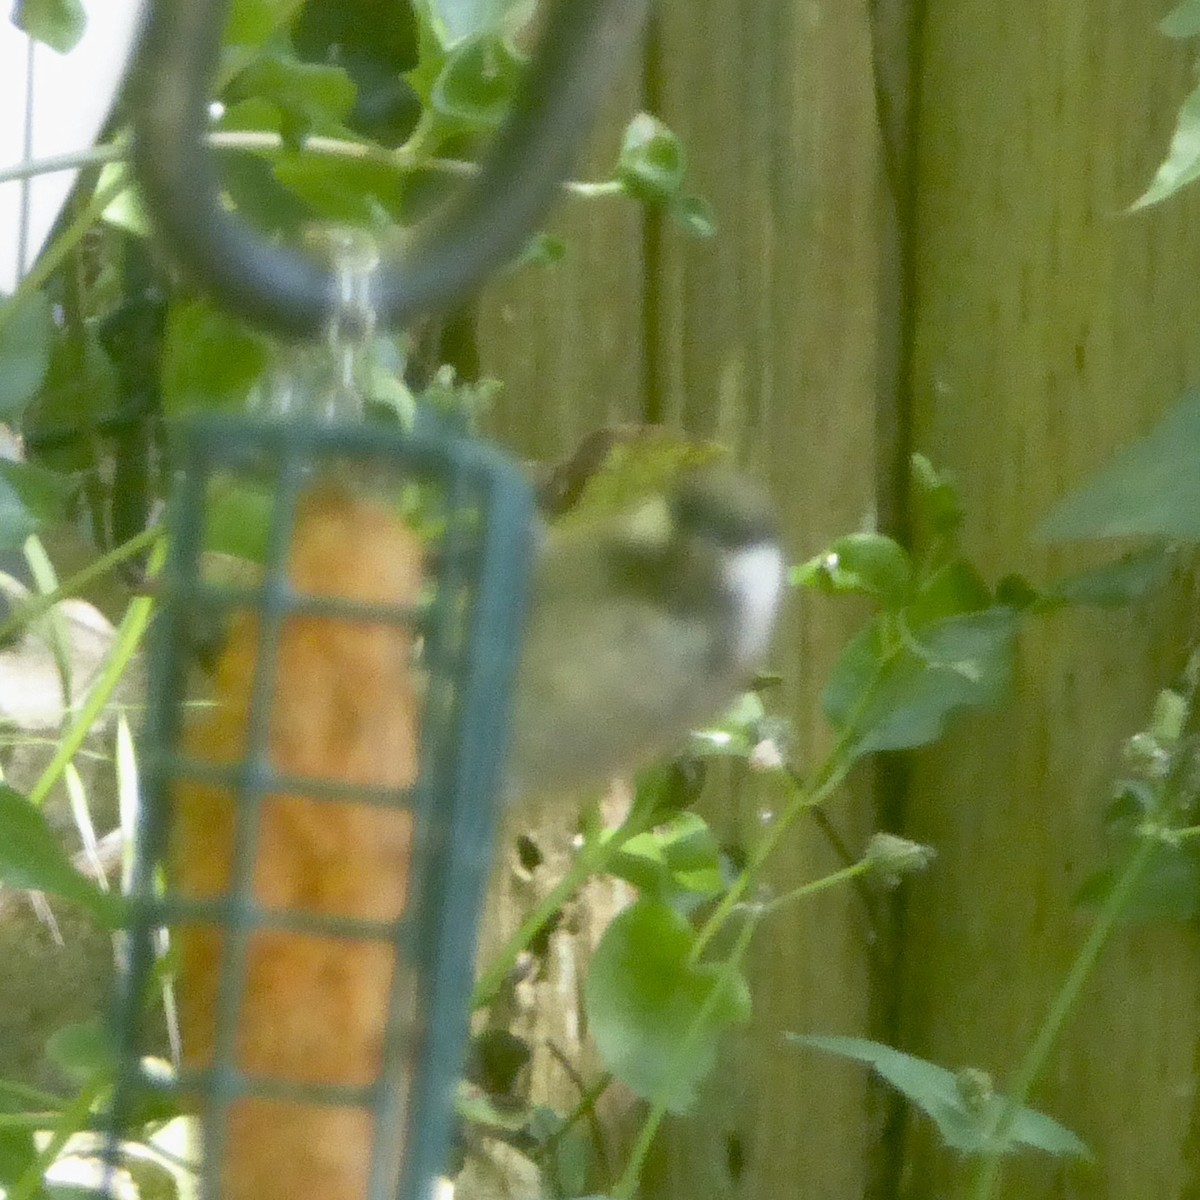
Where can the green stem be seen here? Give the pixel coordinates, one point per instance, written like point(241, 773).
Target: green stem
point(990, 1165)
point(832, 774)
point(129, 635)
point(844, 875)
point(271, 143)
point(627, 1184)
point(591, 859)
point(63, 245)
point(70, 1121)
point(829, 777)
point(30, 1095)
point(28, 1120)
point(1181, 835)
point(35, 606)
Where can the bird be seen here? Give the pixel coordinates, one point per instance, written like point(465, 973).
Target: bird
point(639, 626)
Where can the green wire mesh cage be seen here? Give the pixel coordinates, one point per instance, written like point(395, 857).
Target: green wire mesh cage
point(473, 508)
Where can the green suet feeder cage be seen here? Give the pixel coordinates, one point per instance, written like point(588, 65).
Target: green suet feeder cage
point(468, 627)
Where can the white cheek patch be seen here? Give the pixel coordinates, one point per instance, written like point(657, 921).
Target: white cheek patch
point(754, 577)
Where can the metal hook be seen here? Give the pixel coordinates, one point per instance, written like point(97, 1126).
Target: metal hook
point(287, 289)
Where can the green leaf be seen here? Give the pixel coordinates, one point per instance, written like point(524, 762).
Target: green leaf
point(866, 563)
point(79, 391)
point(651, 164)
point(541, 250)
point(58, 23)
point(656, 1018)
point(695, 215)
point(1015, 591)
point(1182, 164)
point(31, 857)
point(251, 23)
point(26, 335)
point(900, 694)
point(309, 96)
point(936, 500)
point(344, 191)
point(954, 590)
point(237, 519)
point(1168, 888)
point(17, 1153)
point(1151, 488)
point(126, 209)
point(477, 84)
point(939, 1094)
point(82, 1050)
point(1183, 21)
point(1128, 579)
point(681, 856)
point(29, 496)
point(210, 360)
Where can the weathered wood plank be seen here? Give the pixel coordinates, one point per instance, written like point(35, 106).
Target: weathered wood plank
point(765, 338)
point(1050, 329)
point(567, 344)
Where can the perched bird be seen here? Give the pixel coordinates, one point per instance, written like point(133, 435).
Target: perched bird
point(639, 628)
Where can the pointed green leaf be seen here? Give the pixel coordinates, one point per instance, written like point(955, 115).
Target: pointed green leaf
point(866, 563)
point(1126, 580)
point(29, 496)
point(1183, 21)
point(210, 360)
point(58, 23)
point(655, 1017)
point(651, 164)
point(1182, 164)
point(939, 1094)
point(477, 84)
point(1152, 488)
point(900, 695)
point(309, 96)
point(936, 501)
point(31, 857)
point(26, 335)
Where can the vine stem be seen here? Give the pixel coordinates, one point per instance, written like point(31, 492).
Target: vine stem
point(35, 606)
point(832, 775)
point(272, 143)
point(590, 859)
point(988, 1173)
point(829, 777)
point(56, 253)
point(844, 875)
point(627, 1184)
point(129, 635)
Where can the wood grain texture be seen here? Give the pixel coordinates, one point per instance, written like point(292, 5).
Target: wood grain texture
point(765, 338)
point(1051, 329)
point(567, 344)
point(566, 340)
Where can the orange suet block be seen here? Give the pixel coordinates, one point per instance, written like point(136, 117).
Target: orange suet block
point(344, 709)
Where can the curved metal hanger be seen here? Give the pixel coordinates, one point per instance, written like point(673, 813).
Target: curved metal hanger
point(290, 290)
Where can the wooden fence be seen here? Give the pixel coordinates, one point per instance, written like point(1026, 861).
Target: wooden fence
point(921, 243)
